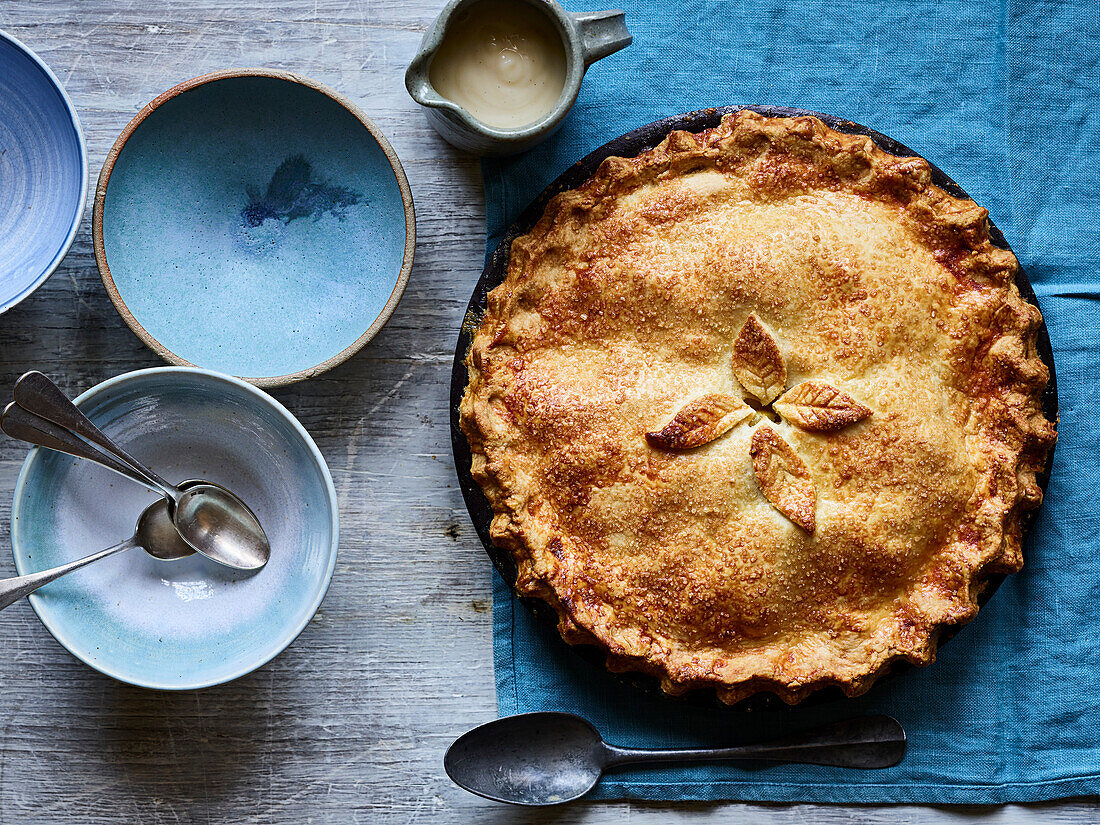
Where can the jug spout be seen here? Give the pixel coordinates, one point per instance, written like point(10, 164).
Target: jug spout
point(602, 33)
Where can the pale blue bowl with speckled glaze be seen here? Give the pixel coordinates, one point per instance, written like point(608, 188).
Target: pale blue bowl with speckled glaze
point(189, 623)
point(43, 172)
point(254, 222)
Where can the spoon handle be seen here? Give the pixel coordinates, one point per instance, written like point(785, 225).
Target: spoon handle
point(863, 742)
point(26, 426)
point(37, 394)
point(12, 590)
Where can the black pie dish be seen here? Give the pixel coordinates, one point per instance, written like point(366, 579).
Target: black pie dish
point(629, 145)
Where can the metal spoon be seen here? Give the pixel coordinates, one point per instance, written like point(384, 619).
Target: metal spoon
point(208, 517)
point(550, 758)
point(155, 534)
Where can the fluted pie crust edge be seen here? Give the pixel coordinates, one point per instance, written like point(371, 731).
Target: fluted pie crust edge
point(1007, 437)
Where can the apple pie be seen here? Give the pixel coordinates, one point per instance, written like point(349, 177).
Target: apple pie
point(759, 410)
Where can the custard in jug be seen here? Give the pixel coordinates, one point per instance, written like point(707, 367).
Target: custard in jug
point(503, 62)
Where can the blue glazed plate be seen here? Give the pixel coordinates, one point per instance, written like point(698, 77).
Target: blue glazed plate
point(190, 623)
point(43, 172)
point(256, 223)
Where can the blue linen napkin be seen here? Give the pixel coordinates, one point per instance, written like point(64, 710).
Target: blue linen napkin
point(1002, 96)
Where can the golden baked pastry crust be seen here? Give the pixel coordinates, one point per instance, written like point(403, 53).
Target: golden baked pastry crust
point(624, 303)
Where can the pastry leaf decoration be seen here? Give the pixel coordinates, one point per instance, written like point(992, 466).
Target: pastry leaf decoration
point(819, 407)
point(699, 421)
point(783, 477)
point(757, 362)
point(814, 406)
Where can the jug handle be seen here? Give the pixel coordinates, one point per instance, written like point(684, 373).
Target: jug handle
point(602, 33)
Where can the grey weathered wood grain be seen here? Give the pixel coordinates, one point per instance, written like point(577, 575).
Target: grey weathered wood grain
point(349, 724)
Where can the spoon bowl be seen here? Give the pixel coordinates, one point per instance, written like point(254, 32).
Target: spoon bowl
point(539, 759)
point(530, 759)
point(220, 526)
point(158, 536)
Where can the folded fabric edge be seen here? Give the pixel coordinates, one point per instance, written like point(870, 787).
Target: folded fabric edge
point(504, 665)
point(862, 794)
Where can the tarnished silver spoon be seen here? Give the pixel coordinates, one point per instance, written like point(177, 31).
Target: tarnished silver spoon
point(209, 517)
point(550, 758)
point(155, 534)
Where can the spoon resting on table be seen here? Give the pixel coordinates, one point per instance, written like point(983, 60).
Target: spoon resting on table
point(549, 758)
point(209, 517)
point(155, 534)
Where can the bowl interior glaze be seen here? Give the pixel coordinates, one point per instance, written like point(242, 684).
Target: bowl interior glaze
point(254, 225)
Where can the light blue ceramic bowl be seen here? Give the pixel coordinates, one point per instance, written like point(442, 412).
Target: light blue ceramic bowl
point(43, 172)
point(190, 623)
point(256, 223)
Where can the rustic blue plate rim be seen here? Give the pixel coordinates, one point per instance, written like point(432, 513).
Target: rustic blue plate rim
point(78, 212)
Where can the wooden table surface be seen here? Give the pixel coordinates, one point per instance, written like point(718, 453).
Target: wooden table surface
point(350, 724)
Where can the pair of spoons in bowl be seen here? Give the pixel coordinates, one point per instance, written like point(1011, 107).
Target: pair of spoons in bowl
point(195, 516)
